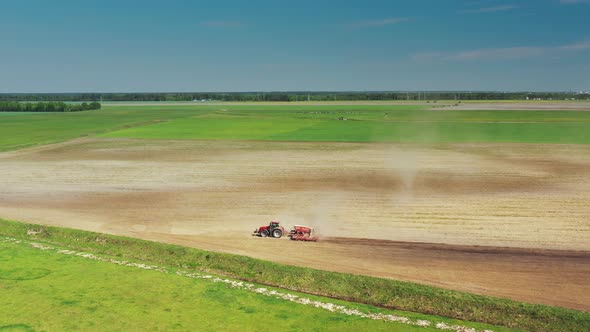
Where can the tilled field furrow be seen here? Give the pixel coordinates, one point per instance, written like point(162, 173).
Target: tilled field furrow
point(212, 194)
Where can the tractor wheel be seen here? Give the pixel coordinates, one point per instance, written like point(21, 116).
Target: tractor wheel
point(264, 233)
point(277, 233)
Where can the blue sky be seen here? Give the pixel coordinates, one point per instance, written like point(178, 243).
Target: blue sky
point(146, 45)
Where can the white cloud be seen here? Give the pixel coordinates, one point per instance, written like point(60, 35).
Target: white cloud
point(498, 53)
point(583, 45)
point(428, 56)
point(570, 2)
point(506, 53)
point(489, 9)
point(221, 24)
point(379, 22)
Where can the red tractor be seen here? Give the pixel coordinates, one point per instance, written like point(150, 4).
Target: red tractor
point(302, 233)
point(274, 229)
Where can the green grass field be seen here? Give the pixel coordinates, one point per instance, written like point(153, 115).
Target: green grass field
point(110, 297)
point(372, 124)
point(365, 123)
point(360, 289)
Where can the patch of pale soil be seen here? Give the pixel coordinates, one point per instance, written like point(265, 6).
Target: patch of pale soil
point(211, 195)
point(518, 106)
point(278, 103)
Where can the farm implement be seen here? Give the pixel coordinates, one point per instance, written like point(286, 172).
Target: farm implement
point(302, 233)
point(298, 233)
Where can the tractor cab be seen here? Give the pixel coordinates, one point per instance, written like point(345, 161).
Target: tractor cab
point(273, 229)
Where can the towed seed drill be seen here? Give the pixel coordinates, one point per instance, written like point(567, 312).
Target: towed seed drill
point(275, 230)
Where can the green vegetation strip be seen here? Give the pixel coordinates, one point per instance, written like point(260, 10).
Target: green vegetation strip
point(338, 123)
point(299, 96)
point(240, 292)
point(47, 107)
point(374, 291)
point(366, 123)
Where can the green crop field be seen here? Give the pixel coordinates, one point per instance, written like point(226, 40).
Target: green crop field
point(364, 123)
point(372, 124)
point(63, 288)
point(25, 130)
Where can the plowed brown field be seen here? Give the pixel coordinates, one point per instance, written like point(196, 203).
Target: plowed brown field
point(440, 215)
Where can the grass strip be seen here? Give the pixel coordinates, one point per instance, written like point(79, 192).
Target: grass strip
point(374, 291)
point(171, 302)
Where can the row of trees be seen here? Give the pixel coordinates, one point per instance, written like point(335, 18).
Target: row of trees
point(294, 96)
point(13, 106)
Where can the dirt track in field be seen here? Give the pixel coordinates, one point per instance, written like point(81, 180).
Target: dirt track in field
point(370, 202)
point(438, 105)
point(519, 106)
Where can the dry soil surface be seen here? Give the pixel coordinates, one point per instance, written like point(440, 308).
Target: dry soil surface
point(440, 215)
point(522, 106)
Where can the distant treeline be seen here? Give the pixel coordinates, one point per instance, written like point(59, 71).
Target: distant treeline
point(13, 106)
point(295, 96)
